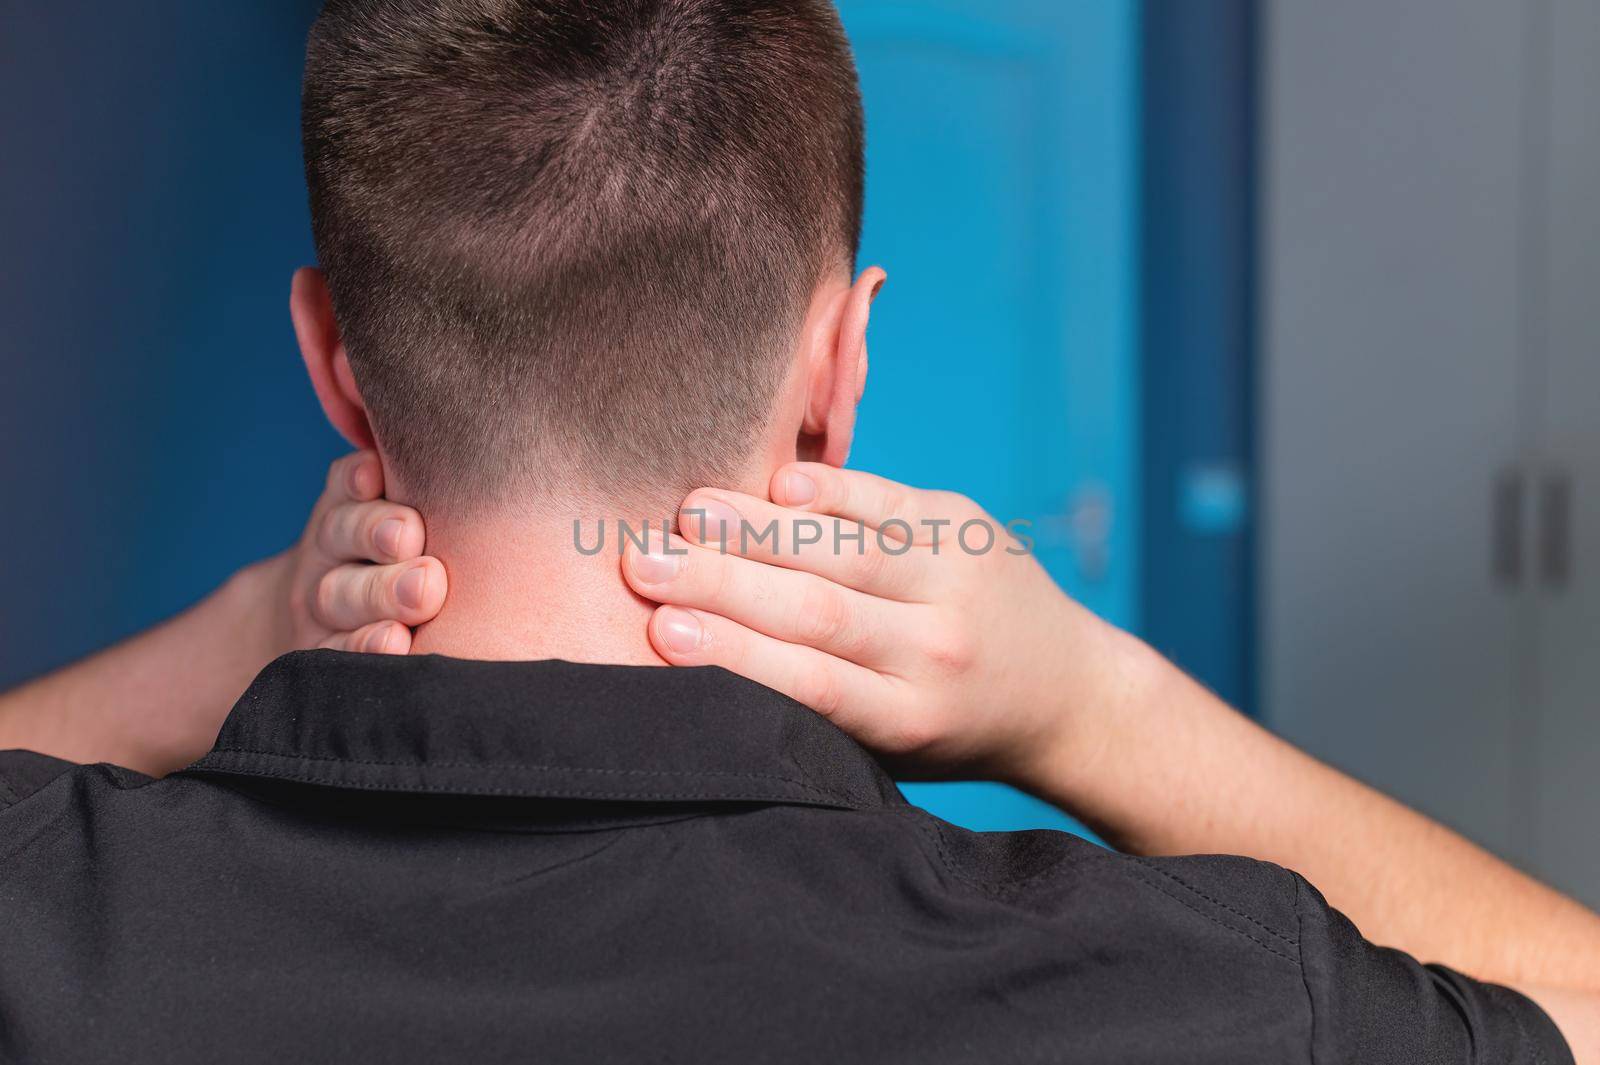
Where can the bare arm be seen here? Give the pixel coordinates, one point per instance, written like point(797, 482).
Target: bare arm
point(146, 703)
point(1177, 771)
point(966, 665)
point(155, 701)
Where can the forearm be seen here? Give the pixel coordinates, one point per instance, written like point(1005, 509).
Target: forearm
point(155, 701)
point(1177, 771)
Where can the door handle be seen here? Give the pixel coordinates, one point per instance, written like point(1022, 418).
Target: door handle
point(1505, 529)
point(1555, 529)
point(1089, 518)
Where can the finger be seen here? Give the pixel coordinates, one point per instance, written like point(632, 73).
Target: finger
point(852, 696)
point(379, 638)
point(845, 552)
point(357, 476)
point(787, 605)
point(855, 496)
point(377, 531)
point(357, 594)
point(935, 519)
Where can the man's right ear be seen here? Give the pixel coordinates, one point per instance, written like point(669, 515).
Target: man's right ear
point(311, 308)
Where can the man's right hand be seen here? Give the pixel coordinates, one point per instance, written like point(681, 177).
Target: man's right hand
point(977, 665)
point(948, 650)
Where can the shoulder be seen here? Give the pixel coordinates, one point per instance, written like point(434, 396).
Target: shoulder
point(1376, 1004)
point(1200, 952)
point(1212, 902)
point(37, 790)
point(23, 773)
point(1257, 900)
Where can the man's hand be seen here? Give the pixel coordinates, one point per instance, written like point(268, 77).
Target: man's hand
point(962, 664)
point(154, 702)
point(357, 580)
point(933, 637)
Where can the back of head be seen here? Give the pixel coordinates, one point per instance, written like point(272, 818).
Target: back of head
point(570, 243)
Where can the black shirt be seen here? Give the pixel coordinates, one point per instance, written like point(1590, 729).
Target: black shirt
point(425, 859)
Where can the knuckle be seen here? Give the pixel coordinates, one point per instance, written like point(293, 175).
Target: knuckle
point(339, 472)
point(331, 530)
point(897, 503)
point(364, 529)
point(911, 734)
point(378, 595)
point(838, 492)
point(869, 567)
point(832, 493)
point(823, 619)
point(707, 578)
point(721, 645)
point(302, 600)
point(949, 648)
point(325, 599)
point(955, 506)
point(819, 689)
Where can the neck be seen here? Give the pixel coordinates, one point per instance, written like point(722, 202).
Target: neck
point(520, 590)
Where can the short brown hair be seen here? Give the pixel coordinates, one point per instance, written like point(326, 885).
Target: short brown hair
point(574, 239)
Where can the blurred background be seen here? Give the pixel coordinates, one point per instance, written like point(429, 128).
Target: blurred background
point(1275, 318)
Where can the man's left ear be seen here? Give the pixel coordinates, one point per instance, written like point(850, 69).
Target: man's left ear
point(311, 308)
point(839, 377)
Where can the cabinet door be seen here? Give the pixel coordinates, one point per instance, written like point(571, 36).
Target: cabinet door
point(1567, 722)
point(1001, 191)
point(1393, 148)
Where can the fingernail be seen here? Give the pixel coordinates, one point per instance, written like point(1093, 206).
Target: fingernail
point(378, 642)
point(409, 588)
point(680, 630)
point(713, 521)
point(798, 489)
point(654, 567)
point(387, 536)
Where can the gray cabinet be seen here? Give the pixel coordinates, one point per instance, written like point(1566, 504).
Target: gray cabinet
point(1564, 446)
point(1430, 394)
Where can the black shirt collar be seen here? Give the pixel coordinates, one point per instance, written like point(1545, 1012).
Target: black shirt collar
point(446, 726)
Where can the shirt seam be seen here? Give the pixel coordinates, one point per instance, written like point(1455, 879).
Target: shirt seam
point(1305, 980)
point(1294, 942)
point(577, 825)
point(308, 778)
point(1180, 900)
point(999, 890)
point(11, 848)
point(673, 773)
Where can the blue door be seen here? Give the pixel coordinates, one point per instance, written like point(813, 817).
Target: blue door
point(1001, 198)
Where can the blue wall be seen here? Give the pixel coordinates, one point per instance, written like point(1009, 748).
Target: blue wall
point(157, 430)
point(1198, 336)
point(1002, 198)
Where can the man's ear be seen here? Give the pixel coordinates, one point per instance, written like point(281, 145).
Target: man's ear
point(311, 308)
point(838, 376)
